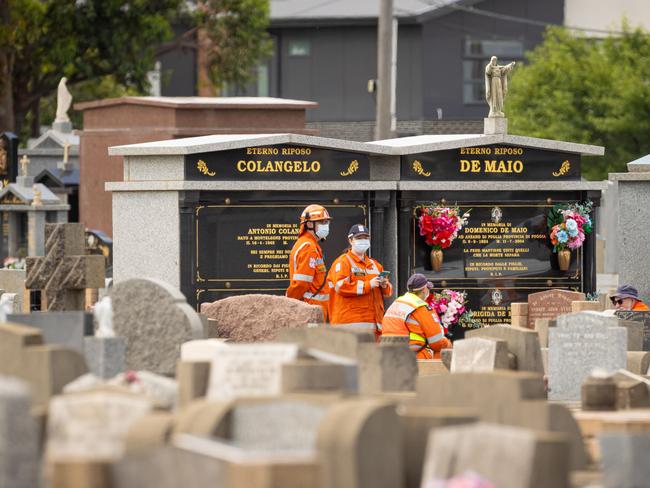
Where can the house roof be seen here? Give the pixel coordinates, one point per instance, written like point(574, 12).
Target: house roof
point(301, 11)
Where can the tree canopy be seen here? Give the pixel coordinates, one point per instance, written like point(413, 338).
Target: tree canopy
point(591, 91)
point(113, 43)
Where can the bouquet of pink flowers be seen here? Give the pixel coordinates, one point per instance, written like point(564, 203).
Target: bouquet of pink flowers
point(449, 305)
point(568, 225)
point(440, 225)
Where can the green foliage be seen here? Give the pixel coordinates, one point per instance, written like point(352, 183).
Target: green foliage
point(239, 37)
point(591, 91)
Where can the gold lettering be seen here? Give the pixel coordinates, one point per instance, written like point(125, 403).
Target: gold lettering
point(476, 166)
point(490, 166)
point(241, 166)
point(464, 165)
point(518, 166)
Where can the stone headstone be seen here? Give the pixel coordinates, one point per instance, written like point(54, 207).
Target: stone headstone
point(643, 317)
point(46, 367)
point(255, 318)
point(523, 344)
point(66, 270)
point(64, 328)
point(154, 319)
point(92, 425)
point(580, 343)
point(105, 355)
point(249, 370)
point(479, 354)
point(550, 303)
point(19, 463)
point(542, 458)
point(386, 368)
point(201, 350)
point(13, 281)
point(625, 459)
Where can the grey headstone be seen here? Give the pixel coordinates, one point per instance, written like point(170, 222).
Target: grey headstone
point(155, 319)
point(386, 368)
point(19, 463)
point(625, 459)
point(13, 281)
point(580, 343)
point(644, 318)
point(63, 328)
point(522, 343)
point(479, 354)
point(105, 355)
point(287, 425)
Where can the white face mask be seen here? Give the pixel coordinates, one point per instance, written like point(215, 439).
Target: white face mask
point(322, 230)
point(360, 246)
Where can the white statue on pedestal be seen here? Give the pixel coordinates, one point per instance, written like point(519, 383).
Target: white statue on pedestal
point(496, 86)
point(103, 313)
point(6, 305)
point(63, 102)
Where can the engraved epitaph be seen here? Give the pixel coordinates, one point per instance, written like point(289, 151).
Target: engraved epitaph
point(65, 271)
point(550, 304)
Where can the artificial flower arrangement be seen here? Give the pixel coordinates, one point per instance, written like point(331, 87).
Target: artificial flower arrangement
point(451, 307)
point(568, 225)
point(440, 227)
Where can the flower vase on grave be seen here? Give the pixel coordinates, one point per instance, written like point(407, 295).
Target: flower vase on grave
point(436, 259)
point(564, 259)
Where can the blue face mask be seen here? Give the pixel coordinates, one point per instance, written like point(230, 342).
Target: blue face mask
point(322, 230)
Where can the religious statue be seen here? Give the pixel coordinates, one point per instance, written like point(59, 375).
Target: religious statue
point(37, 196)
point(496, 86)
point(103, 313)
point(24, 162)
point(63, 101)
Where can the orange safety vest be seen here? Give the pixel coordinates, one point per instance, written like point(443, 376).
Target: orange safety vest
point(410, 316)
point(308, 274)
point(639, 306)
point(353, 303)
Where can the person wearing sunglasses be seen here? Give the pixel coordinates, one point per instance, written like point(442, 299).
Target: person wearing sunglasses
point(627, 298)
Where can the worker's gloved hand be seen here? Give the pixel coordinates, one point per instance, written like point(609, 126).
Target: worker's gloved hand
point(375, 282)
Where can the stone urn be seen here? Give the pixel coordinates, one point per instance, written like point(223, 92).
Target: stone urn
point(564, 259)
point(436, 259)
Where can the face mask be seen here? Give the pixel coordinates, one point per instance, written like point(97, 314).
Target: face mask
point(361, 245)
point(322, 230)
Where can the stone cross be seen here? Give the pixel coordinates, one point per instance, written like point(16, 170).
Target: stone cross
point(65, 271)
point(24, 162)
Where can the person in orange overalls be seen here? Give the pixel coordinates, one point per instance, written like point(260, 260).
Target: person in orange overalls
point(627, 298)
point(410, 316)
point(307, 271)
point(358, 290)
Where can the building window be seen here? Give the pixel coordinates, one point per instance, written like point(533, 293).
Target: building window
point(476, 56)
point(299, 48)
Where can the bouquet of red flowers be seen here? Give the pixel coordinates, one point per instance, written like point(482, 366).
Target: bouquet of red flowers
point(440, 225)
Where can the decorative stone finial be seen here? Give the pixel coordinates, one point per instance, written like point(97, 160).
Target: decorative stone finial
point(37, 196)
point(24, 162)
point(496, 86)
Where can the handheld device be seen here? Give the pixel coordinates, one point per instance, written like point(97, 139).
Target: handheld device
point(384, 275)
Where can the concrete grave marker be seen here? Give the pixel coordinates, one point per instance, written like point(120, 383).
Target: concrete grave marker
point(19, 463)
point(92, 425)
point(65, 271)
point(479, 354)
point(541, 457)
point(550, 303)
point(644, 318)
point(249, 370)
point(13, 281)
point(625, 459)
point(64, 328)
point(522, 343)
point(155, 320)
point(580, 343)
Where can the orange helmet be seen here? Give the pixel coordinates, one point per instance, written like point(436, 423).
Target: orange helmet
point(314, 213)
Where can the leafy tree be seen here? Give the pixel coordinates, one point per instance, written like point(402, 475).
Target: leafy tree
point(234, 37)
point(592, 91)
point(43, 40)
point(113, 43)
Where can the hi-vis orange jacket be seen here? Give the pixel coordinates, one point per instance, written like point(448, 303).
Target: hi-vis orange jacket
point(308, 273)
point(410, 316)
point(353, 303)
point(639, 306)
